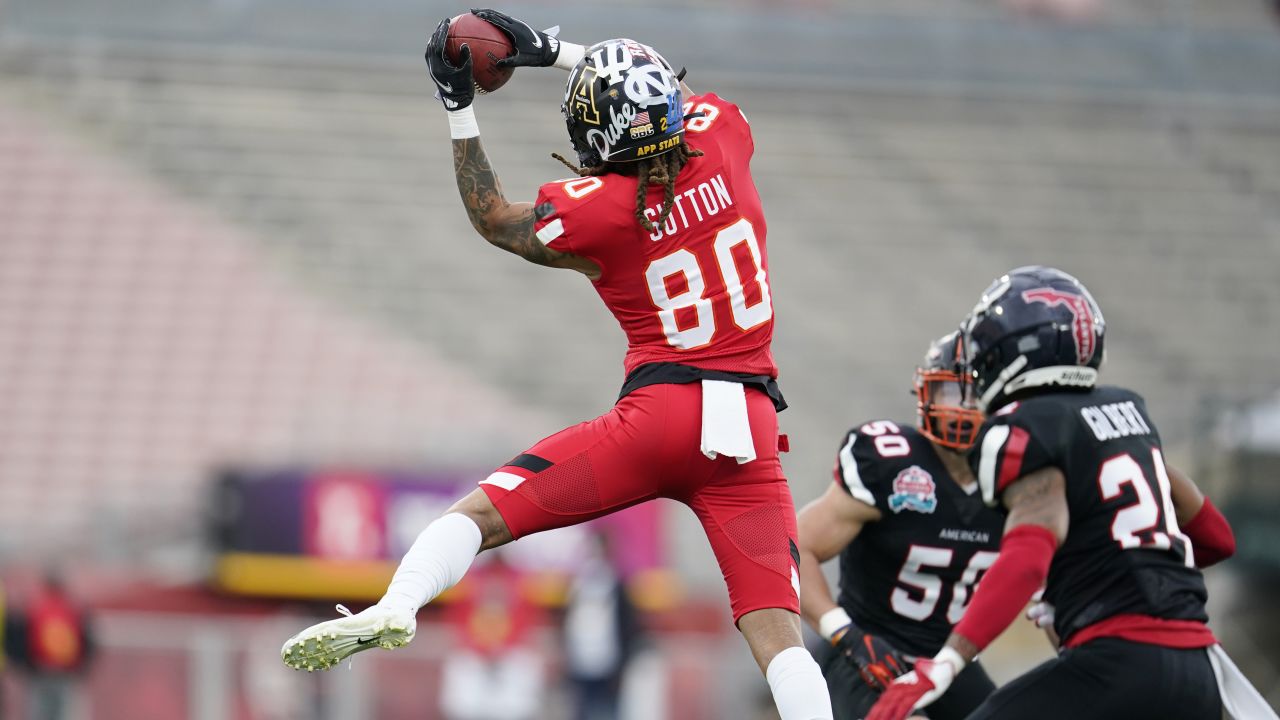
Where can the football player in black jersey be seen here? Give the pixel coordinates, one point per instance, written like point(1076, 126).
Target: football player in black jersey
point(913, 536)
point(1091, 516)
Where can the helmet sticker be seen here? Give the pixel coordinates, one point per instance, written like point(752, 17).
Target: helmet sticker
point(675, 111)
point(583, 102)
point(612, 61)
point(1082, 324)
point(602, 141)
point(640, 125)
point(648, 84)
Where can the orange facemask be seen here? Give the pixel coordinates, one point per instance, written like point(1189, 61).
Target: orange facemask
point(944, 408)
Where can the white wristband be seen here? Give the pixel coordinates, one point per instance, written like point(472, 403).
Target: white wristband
point(832, 620)
point(950, 656)
point(462, 124)
point(570, 54)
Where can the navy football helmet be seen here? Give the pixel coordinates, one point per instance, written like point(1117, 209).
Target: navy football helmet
point(622, 103)
point(1035, 326)
point(944, 404)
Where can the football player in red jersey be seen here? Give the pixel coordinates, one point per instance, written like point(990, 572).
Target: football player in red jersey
point(665, 221)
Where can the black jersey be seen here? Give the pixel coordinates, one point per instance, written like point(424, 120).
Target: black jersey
point(909, 576)
point(1124, 553)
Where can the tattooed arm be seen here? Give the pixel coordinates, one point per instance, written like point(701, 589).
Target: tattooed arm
point(1039, 498)
point(506, 225)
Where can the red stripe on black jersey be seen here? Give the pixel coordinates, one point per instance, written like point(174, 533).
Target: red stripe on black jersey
point(1011, 465)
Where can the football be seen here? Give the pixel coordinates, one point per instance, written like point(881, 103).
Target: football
point(488, 45)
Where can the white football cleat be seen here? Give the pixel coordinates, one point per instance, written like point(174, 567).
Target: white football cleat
point(326, 644)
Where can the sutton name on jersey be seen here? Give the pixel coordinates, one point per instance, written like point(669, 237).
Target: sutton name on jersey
point(704, 201)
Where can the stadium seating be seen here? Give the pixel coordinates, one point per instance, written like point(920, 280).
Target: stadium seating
point(221, 179)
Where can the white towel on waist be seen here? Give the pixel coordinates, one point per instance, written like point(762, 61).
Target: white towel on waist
point(1239, 698)
point(726, 429)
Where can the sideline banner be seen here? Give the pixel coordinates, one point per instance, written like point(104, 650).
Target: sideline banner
point(338, 533)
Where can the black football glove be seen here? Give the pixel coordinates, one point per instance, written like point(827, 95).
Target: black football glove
point(533, 48)
point(454, 85)
point(876, 661)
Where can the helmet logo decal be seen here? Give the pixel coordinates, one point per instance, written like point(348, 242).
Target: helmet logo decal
point(614, 60)
point(583, 104)
point(1082, 321)
point(675, 112)
point(648, 85)
point(640, 125)
point(619, 121)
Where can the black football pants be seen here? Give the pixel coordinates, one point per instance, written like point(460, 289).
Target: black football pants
point(1111, 679)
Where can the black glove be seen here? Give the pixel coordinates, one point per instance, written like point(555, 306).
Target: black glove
point(876, 661)
point(454, 85)
point(533, 48)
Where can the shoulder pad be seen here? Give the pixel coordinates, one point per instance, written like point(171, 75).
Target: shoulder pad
point(1011, 446)
point(871, 455)
point(561, 199)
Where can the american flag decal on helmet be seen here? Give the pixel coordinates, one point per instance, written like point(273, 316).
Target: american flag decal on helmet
point(641, 118)
point(1082, 323)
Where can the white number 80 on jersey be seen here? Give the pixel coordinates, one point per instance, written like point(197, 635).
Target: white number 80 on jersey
point(684, 263)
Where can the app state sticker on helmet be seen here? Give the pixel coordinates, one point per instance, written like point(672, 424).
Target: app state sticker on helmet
point(582, 102)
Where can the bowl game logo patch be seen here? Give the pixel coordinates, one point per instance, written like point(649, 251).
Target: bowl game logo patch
point(914, 489)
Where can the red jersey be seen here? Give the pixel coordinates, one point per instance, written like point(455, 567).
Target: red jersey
point(694, 291)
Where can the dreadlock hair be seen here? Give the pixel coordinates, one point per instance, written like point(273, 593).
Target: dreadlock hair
point(659, 170)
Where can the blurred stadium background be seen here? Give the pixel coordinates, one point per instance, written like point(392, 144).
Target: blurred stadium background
point(249, 343)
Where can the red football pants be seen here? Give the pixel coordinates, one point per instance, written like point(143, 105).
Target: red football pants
point(647, 447)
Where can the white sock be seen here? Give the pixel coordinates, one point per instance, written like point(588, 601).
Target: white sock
point(799, 690)
point(436, 562)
